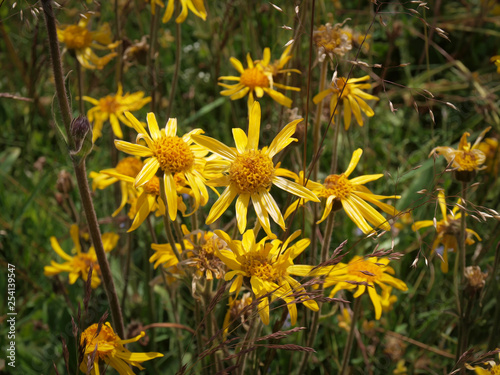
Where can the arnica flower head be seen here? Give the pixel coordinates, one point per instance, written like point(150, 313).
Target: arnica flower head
point(269, 265)
point(353, 196)
point(466, 159)
point(448, 230)
point(493, 368)
point(332, 41)
point(353, 98)
point(79, 264)
point(81, 41)
point(109, 347)
point(363, 274)
point(202, 254)
point(168, 154)
point(249, 172)
point(195, 6)
point(496, 59)
point(256, 80)
point(112, 108)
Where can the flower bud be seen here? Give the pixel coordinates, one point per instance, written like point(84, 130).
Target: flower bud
point(81, 131)
point(64, 183)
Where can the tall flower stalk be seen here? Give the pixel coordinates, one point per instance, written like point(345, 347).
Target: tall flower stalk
point(80, 169)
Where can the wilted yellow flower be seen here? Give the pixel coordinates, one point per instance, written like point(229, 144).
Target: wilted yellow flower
point(466, 159)
point(171, 155)
point(80, 40)
point(109, 347)
point(448, 229)
point(353, 98)
point(195, 6)
point(256, 80)
point(238, 309)
point(269, 265)
point(79, 264)
point(362, 274)
point(332, 41)
point(202, 254)
point(249, 172)
point(112, 108)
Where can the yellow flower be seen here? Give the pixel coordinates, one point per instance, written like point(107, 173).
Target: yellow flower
point(400, 369)
point(353, 98)
point(465, 158)
point(256, 80)
point(269, 265)
point(111, 108)
point(363, 274)
point(249, 173)
point(109, 347)
point(80, 40)
point(171, 155)
point(353, 196)
point(332, 41)
point(448, 229)
point(493, 369)
point(79, 264)
point(195, 6)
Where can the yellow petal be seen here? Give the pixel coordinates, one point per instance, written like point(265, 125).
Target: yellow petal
point(154, 130)
point(222, 204)
point(283, 139)
point(356, 155)
point(215, 146)
point(147, 172)
point(133, 149)
point(171, 194)
point(254, 128)
point(241, 211)
point(295, 189)
point(240, 139)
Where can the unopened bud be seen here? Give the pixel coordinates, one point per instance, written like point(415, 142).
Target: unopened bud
point(81, 131)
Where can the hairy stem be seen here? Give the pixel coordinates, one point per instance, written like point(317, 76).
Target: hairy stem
point(350, 338)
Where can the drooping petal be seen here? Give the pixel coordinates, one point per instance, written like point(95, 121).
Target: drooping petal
point(356, 155)
point(254, 127)
point(222, 204)
point(147, 172)
point(171, 194)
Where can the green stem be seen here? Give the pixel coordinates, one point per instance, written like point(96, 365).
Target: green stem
point(119, 58)
point(249, 340)
point(81, 174)
point(350, 338)
point(335, 154)
point(175, 77)
point(460, 280)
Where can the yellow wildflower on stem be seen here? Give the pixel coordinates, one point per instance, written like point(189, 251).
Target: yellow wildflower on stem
point(256, 80)
point(352, 195)
point(363, 274)
point(195, 6)
point(249, 173)
point(466, 159)
point(448, 230)
point(112, 108)
point(269, 265)
point(493, 368)
point(353, 98)
point(81, 41)
point(168, 154)
point(79, 264)
point(109, 347)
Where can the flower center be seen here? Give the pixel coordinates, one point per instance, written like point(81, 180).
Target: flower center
point(365, 270)
point(106, 340)
point(152, 186)
point(129, 166)
point(255, 265)
point(466, 161)
point(173, 154)
point(251, 172)
point(109, 104)
point(337, 185)
point(83, 261)
point(254, 77)
point(77, 37)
